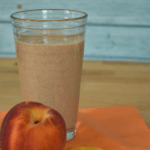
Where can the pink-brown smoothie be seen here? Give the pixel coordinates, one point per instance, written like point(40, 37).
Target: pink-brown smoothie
point(50, 72)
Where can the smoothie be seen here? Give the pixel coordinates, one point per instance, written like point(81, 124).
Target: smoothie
point(50, 72)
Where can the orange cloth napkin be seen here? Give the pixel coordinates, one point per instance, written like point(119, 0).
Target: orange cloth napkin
point(109, 128)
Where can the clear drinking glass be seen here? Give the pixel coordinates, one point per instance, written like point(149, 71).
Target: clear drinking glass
point(49, 48)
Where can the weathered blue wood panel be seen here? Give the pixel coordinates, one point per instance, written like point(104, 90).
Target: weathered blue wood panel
point(99, 11)
point(116, 30)
point(102, 43)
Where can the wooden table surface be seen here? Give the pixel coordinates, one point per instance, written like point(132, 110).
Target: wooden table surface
point(103, 84)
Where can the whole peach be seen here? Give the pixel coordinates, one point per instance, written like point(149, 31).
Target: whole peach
point(32, 126)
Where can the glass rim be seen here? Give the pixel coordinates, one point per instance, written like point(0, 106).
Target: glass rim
point(58, 20)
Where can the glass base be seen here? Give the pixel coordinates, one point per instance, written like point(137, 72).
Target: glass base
point(71, 133)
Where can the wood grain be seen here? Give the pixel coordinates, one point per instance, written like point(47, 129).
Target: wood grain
point(103, 84)
point(100, 11)
point(101, 43)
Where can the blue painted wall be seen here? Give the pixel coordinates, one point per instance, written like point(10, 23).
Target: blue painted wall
point(117, 30)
